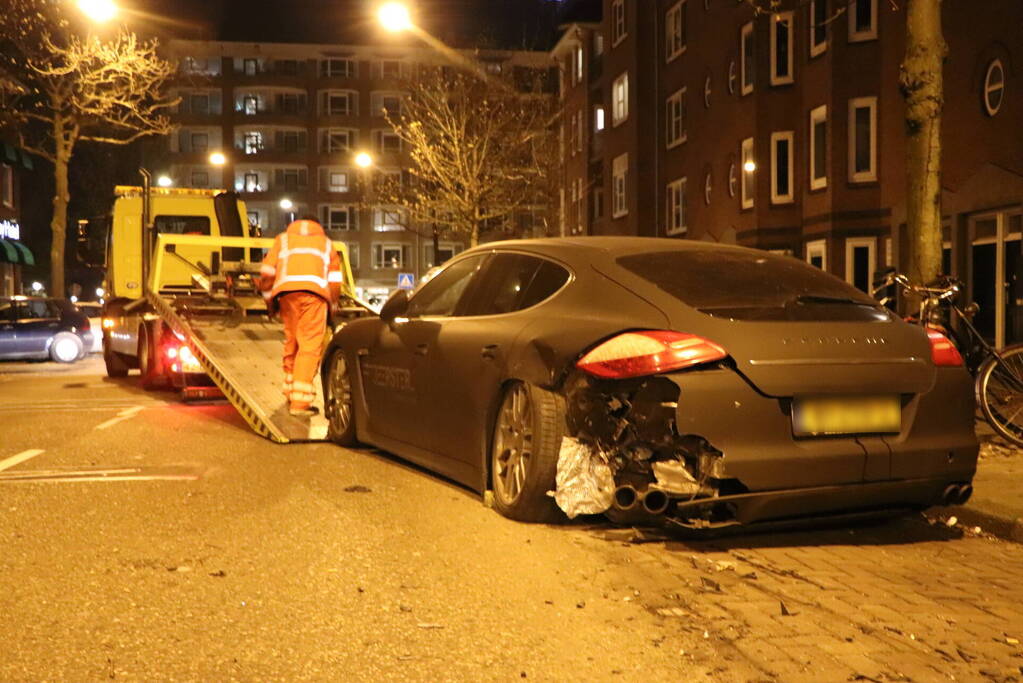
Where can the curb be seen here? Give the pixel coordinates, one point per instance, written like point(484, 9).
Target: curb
point(1002, 526)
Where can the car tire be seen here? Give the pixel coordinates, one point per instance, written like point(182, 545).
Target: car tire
point(66, 347)
point(526, 441)
point(148, 378)
point(338, 400)
point(117, 366)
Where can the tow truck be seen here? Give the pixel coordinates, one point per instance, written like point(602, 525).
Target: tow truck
point(183, 306)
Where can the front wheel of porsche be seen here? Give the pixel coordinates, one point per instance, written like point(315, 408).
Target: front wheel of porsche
point(339, 404)
point(524, 453)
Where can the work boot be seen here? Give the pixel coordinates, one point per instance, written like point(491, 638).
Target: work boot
point(299, 410)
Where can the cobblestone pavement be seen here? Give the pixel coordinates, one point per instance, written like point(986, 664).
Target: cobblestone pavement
point(902, 601)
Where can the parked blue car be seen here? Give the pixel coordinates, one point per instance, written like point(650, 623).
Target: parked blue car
point(39, 327)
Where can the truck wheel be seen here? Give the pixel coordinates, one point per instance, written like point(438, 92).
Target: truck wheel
point(66, 347)
point(147, 359)
point(116, 365)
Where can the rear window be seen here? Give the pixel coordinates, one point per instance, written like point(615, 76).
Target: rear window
point(742, 285)
point(182, 225)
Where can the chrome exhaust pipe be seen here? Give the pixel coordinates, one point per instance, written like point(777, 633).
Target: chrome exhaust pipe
point(964, 493)
point(655, 501)
point(950, 495)
point(626, 497)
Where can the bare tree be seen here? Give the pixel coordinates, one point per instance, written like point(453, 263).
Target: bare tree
point(62, 88)
point(478, 150)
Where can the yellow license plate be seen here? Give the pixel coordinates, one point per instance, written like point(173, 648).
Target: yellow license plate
point(831, 415)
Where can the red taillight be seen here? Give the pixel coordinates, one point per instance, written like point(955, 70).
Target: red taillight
point(943, 351)
point(648, 352)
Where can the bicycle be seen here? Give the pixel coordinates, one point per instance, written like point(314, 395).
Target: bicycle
point(998, 374)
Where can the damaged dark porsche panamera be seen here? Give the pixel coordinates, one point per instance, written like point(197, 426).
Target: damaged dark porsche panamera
point(701, 384)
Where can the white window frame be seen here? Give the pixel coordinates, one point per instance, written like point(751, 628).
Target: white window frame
point(817, 49)
point(381, 135)
point(851, 243)
point(326, 144)
point(675, 104)
point(818, 115)
point(817, 248)
point(675, 31)
point(776, 78)
point(747, 180)
point(868, 33)
point(578, 64)
point(352, 106)
point(675, 219)
point(380, 263)
point(388, 219)
point(347, 209)
point(193, 182)
point(351, 67)
point(988, 89)
point(619, 28)
point(869, 175)
point(620, 186)
point(776, 197)
point(620, 99)
point(744, 68)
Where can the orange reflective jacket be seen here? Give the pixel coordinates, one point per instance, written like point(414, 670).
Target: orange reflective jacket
point(302, 259)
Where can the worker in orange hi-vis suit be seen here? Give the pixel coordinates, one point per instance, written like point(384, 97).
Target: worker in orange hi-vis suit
point(301, 275)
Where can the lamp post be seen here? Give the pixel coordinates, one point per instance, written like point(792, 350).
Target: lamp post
point(99, 11)
point(288, 207)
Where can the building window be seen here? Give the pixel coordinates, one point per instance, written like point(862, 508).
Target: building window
point(388, 219)
point(250, 105)
point(390, 68)
point(388, 142)
point(817, 254)
point(7, 185)
point(334, 140)
point(676, 214)
point(994, 87)
point(339, 103)
point(252, 142)
point(353, 254)
point(334, 180)
point(731, 77)
point(749, 167)
point(596, 203)
point(819, 147)
point(618, 28)
point(337, 217)
point(598, 118)
point(781, 167)
point(598, 43)
point(200, 142)
point(732, 179)
point(580, 127)
point(578, 64)
point(390, 255)
point(291, 141)
point(862, 20)
point(620, 99)
point(199, 179)
point(619, 175)
point(386, 104)
point(859, 262)
point(290, 179)
point(675, 30)
point(708, 186)
point(818, 26)
point(250, 67)
point(291, 103)
point(863, 139)
point(781, 48)
point(746, 54)
point(199, 103)
point(254, 221)
point(250, 182)
point(675, 118)
point(334, 68)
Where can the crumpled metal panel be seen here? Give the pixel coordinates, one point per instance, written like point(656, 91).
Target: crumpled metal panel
point(585, 484)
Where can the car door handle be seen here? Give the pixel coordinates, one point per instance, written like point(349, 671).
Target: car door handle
point(421, 349)
point(490, 351)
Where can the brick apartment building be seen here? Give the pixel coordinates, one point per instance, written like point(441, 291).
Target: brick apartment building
point(14, 254)
point(290, 119)
point(704, 120)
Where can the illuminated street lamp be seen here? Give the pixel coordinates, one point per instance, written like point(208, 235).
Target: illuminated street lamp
point(37, 286)
point(100, 11)
point(218, 159)
point(363, 160)
point(164, 181)
point(749, 166)
point(394, 17)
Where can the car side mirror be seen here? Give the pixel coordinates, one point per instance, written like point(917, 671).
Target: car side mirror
point(396, 306)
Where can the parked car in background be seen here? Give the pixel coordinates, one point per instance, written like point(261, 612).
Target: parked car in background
point(34, 327)
point(94, 311)
point(719, 385)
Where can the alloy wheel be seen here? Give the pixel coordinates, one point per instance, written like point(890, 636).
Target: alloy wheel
point(339, 397)
point(65, 349)
point(513, 445)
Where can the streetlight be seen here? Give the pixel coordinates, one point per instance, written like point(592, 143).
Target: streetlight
point(218, 159)
point(749, 166)
point(100, 11)
point(164, 181)
point(37, 287)
point(394, 17)
point(363, 160)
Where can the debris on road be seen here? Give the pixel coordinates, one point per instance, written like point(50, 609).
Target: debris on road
point(428, 626)
point(357, 488)
point(951, 521)
point(219, 574)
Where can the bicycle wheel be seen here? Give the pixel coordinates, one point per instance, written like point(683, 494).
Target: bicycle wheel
point(1000, 393)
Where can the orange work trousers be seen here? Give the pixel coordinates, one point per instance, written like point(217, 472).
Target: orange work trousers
point(305, 320)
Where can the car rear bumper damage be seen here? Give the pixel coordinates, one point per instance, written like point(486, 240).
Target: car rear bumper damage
point(705, 448)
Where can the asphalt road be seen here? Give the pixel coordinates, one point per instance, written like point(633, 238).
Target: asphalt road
point(144, 539)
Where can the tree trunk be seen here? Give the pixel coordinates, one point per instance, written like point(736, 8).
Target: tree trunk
point(922, 87)
point(436, 245)
point(61, 196)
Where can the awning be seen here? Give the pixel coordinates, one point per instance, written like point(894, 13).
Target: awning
point(14, 155)
point(15, 252)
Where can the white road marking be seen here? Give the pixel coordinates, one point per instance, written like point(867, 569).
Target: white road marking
point(125, 414)
point(116, 477)
point(19, 458)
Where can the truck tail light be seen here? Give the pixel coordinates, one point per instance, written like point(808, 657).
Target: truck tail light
point(108, 323)
point(648, 352)
point(943, 352)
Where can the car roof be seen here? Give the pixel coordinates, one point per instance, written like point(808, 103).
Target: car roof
point(612, 247)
